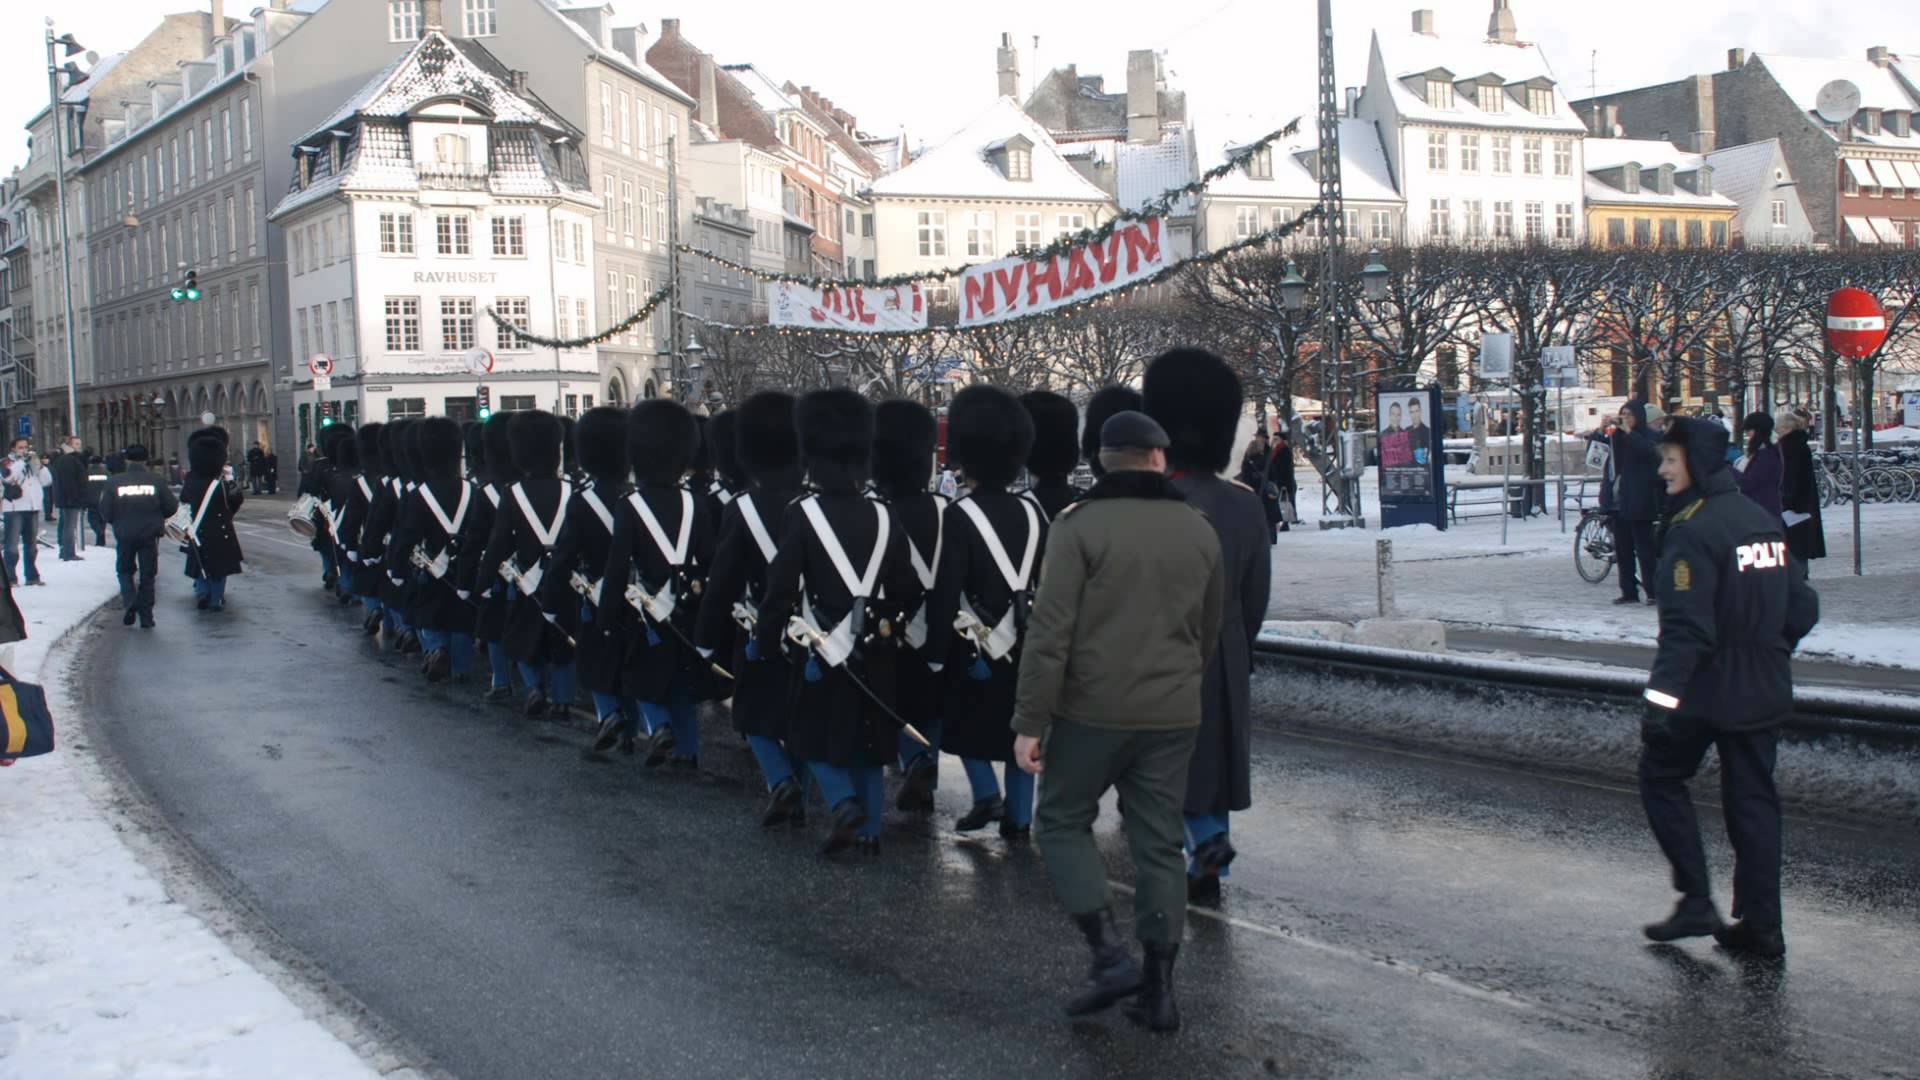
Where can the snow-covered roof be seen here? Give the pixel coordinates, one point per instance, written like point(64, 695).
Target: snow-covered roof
point(80, 91)
point(959, 166)
point(1145, 171)
point(890, 151)
point(1364, 173)
point(1606, 155)
point(766, 92)
point(439, 67)
point(1601, 192)
point(1403, 56)
point(1801, 78)
point(640, 68)
point(1646, 153)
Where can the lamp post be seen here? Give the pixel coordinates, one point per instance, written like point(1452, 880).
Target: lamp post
point(692, 366)
point(72, 48)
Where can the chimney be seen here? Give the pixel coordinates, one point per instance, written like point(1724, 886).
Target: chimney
point(430, 15)
point(669, 28)
point(216, 26)
point(1609, 122)
point(1701, 139)
point(1500, 27)
point(1880, 56)
point(1736, 59)
point(1353, 101)
point(1423, 21)
point(1143, 96)
point(518, 80)
point(709, 113)
point(1008, 61)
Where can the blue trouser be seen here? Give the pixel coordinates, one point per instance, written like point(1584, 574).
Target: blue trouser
point(457, 646)
point(986, 786)
point(327, 567)
point(501, 664)
point(371, 603)
point(864, 783)
point(777, 763)
point(555, 679)
point(681, 713)
point(72, 524)
point(21, 538)
point(212, 590)
point(628, 709)
point(1202, 828)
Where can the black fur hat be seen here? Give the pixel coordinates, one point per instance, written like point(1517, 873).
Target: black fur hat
point(348, 454)
point(367, 441)
point(567, 446)
point(702, 462)
point(661, 438)
point(412, 467)
point(500, 464)
point(473, 437)
point(1056, 433)
point(988, 434)
point(764, 437)
point(534, 439)
point(600, 443)
point(1197, 398)
point(904, 434)
point(440, 445)
point(218, 432)
point(836, 438)
point(1105, 402)
point(723, 449)
point(328, 440)
point(206, 456)
point(392, 453)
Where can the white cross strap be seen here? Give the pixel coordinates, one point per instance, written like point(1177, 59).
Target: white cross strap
point(546, 533)
point(719, 491)
point(674, 552)
point(493, 495)
point(201, 514)
point(599, 509)
point(1000, 639)
point(750, 513)
point(366, 489)
point(916, 632)
point(835, 647)
point(450, 525)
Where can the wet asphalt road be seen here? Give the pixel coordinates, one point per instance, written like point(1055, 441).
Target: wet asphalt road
point(516, 912)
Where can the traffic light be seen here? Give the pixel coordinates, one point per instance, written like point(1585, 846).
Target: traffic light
point(483, 400)
point(328, 410)
point(189, 288)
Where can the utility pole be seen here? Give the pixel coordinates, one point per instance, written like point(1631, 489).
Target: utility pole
point(1333, 230)
point(673, 267)
point(60, 197)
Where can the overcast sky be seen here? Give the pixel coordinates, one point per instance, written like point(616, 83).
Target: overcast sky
point(1244, 64)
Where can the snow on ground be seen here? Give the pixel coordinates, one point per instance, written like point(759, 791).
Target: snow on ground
point(1467, 577)
point(103, 974)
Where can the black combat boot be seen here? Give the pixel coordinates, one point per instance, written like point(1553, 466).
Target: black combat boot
point(660, 747)
point(916, 794)
point(536, 703)
point(847, 819)
point(1763, 940)
point(1214, 856)
point(438, 666)
point(1693, 916)
point(1154, 1009)
point(984, 813)
point(781, 804)
point(608, 733)
point(409, 643)
point(1113, 974)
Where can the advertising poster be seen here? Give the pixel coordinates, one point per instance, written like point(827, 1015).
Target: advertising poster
point(1411, 474)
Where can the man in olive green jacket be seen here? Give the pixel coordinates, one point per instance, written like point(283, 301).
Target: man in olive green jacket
point(1126, 615)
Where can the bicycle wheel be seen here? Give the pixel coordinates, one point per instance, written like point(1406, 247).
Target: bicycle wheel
point(1881, 486)
point(1906, 487)
point(1593, 549)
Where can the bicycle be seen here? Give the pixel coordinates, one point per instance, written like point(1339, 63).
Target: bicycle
point(1593, 555)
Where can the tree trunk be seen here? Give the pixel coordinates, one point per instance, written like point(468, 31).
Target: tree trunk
point(1830, 403)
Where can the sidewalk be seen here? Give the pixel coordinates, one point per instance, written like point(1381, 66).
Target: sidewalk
point(1468, 579)
point(102, 972)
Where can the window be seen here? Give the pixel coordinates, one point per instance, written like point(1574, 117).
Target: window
point(1536, 221)
point(1470, 153)
point(1616, 231)
point(580, 316)
point(396, 233)
point(1383, 224)
point(659, 215)
point(580, 243)
point(1696, 232)
point(606, 114)
point(1503, 155)
point(1643, 231)
point(173, 160)
point(517, 403)
point(1493, 99)
point(253, 221)
point(1719, 234)
point(206, 138)
point(1439, 219)
point(453, 234)
point(450, 149)
point(1019, 164)
point(1563, 221)
point(306, 342)
point(1246, 222)
point(326, 242)
point(1437, 151)
point(513, 310)
point(1669, 232)
point(1900, 233)
point(849, 223)
point(1068, 224)
point(563, 318)
point(1475, 225)
point(1540, 100)
point(403, 324)
point(233, 230)
point(1260, 164)
point(867, 269)
point(1530, 156)
point(456, 323)
point(246, 127)
point(1503, 220)
point(403, 20)
point(1440, 93)
point(226, 135)
point(333, 328)
point(510, 236)
point(626, 122)
point(1779, 213)
point(480, 19)
point(659, 138)
point(979, 234)
point(933, 233)
point(626, 209)
point(1563, 157)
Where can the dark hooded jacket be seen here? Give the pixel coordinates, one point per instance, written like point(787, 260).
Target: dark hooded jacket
point(1733, 601)
point(1800, 494)
point(1636, 468)
point(214, 549)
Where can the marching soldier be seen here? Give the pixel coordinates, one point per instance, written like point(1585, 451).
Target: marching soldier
point(903, 447)
point(525, 530)
point(1196, 397)
point(342, 488)
point(768, 450)
point(989, 562)
point(365, 573)
point(574, 578)
point(839, 554)
point(424, 544)
point(1733, 607)
point(1105, 402)
point(137, 503)
point(1056, 450)
point(663, 542)
point(313, 481)
point(723, 443)
point(213, 546)
point(487, 590)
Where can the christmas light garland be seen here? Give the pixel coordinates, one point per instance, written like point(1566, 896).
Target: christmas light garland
point(646, 309)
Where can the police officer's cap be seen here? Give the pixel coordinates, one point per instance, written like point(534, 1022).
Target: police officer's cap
point(134, 452)
point(1131, 430)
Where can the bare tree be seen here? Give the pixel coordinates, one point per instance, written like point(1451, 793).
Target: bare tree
point(1108, 343)
point(1428, 305)
point(1664, 306)
point(1772, 320)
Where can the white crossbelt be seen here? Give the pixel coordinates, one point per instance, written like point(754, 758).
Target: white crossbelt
point(437, 565)
point(658, 605)
point(589, 587)
point(925, 571)
point(835, 647)
point(547, 534)
point(1005, 634)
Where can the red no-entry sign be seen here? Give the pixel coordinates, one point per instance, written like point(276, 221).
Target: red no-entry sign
point(1856, 324)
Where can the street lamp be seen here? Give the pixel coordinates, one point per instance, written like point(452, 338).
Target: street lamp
point(1293, 288)
point(1373, 277)
point(71, 47)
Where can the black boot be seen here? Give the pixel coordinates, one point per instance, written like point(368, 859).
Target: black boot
point(1113, 974)
point(847, 819)
point(536, 703)
point(558, 713)
point(1693, 916)
point(409, 643)
point(660, 747)
point(1214, 856)
point(438, 666)
point(371, 624)
point(781, 804)
point(608, 732)
point(497, 695)
point(1155, 1008)
point(1753, 939)
point(984, 813)
point(916, 794)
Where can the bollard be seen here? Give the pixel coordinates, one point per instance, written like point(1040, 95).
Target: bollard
point(1383, 576)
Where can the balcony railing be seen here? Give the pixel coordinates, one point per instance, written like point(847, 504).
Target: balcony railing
point(441, 176)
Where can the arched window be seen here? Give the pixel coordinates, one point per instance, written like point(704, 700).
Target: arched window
point(616, 391)
point(649, 392)
point(450, 149)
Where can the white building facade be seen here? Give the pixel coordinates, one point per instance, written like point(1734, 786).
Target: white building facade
point(441, 191)
point(1278, 184)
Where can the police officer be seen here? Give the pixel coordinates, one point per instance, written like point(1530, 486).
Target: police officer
point(1732, 609)
point(137, 503)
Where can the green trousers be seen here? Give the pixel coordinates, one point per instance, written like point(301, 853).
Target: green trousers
point(1150, 770)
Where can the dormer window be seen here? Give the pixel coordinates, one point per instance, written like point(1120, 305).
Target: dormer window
point(1540, 100)
point(450, 150)
point(1493, 99)
point(1870, 121)
point(1630, 178)
point(1703, 180)
point(1440, 93)
point(1899, 122)
point(1260, 164)
point(1019, 164)
point(1013, 157)
point(1663, 180)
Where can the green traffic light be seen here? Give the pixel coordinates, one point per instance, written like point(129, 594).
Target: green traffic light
point(179, 294)
point(193, 294)
point(326, 421)
point(485, 413)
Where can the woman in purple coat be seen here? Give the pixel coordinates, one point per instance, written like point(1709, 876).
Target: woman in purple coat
point(1761, 468)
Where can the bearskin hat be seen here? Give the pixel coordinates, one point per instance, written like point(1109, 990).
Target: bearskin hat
point(206, 456)
point(347, 453)
point(567, 446)
point(764, 437)
point(1056, 433)
point(328, 440)
point(392, 454)
point(600, 443)
point(367, 442)
point(989, 435)
point(904, 434)
point(217, 432)
point(534, 437)
point(836, 438)
point(661, 438)
point(474, 434)
point(440, 445)
point(721, 448)
point(500, 450)
point(1197, 398)
point(1105, 402)
point(410, 451)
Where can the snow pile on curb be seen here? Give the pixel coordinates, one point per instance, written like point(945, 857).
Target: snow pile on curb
point(102, 973)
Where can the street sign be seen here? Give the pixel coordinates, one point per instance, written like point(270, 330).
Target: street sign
point(1496, 357)
point(320, 365)
point(322, 383)
point(478, 361)
point(23, 427)
point(1856, 324)
point(1557, 358)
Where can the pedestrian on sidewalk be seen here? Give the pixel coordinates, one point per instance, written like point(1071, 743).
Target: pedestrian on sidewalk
point(23, 492)
point(213, 546)
point(137, 503)
point(1732, 609)
point(98, 474)
point(1799, 489)
point(1636, 502)
point(1197, 398)
point(70, 496)
point(1760, 468)
point(1124, 623)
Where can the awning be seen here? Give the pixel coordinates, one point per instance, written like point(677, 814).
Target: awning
point(1887, 232)
point(1861, 231)
point(1909, 174)
point(1861, 174)
point(1884, 174)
